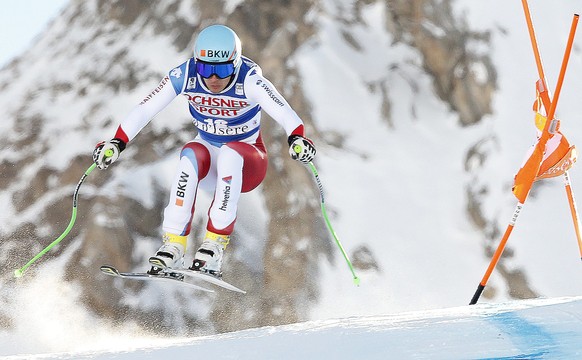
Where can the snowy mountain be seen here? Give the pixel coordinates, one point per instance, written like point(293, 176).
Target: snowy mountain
point(421, 112)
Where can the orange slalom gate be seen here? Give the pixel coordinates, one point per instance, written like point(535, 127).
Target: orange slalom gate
point(526, 175)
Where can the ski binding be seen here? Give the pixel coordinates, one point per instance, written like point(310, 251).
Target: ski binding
point(166, 275)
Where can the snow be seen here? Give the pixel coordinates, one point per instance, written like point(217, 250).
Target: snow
point(397, 185)
point(532, 329)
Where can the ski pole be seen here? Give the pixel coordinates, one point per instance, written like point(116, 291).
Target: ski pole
point(356, 279)
point(573, 210)
point(19, 272)
point(496, 255)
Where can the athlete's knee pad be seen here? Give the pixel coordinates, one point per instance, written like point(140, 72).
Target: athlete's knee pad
point(199, 156)
point(254, 164)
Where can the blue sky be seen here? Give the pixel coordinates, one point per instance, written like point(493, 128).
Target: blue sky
point(21, 21)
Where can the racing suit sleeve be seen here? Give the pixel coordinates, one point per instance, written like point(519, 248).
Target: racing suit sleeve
point(262, 91)
point(143, 113)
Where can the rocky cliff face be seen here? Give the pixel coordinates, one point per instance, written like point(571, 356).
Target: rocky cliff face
point(97, 58)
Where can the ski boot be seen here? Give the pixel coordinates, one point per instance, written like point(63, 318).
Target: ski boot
point(208, 258)
point(170, 255)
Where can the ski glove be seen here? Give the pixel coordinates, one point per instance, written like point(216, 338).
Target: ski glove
point(106, 152)
point(301, 148)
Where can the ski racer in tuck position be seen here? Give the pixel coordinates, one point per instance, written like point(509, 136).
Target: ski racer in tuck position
point(225, 92)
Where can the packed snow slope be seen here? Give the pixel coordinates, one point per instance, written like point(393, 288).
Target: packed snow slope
point(529, 329)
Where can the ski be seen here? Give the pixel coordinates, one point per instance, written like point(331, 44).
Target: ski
point(164, 276)
point(208, 278)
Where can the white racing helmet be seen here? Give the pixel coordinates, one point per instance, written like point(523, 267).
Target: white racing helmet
point(217, 51)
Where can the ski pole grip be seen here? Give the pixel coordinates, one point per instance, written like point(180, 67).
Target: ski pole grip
point(108, 153)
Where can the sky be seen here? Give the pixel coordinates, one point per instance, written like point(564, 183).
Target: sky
point(18, 15)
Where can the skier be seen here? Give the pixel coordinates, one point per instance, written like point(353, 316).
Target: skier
point(225, 92)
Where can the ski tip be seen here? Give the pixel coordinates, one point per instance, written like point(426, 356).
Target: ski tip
point(109, 270)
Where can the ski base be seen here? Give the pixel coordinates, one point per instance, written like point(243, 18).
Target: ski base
point(169, 275)
point(208, 278)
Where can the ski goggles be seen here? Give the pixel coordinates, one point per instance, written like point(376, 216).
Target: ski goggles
point(222, 70)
